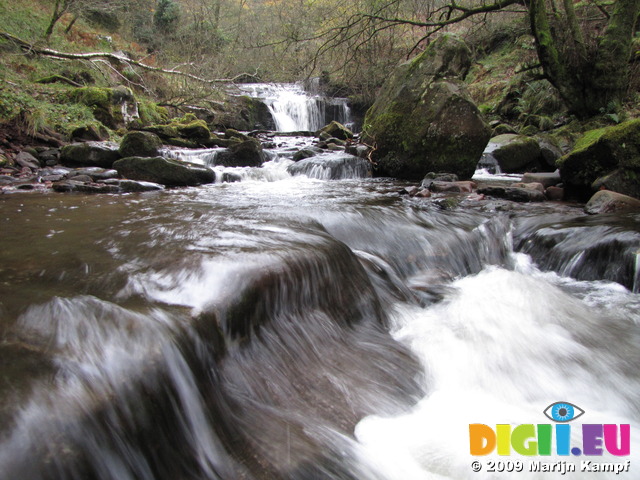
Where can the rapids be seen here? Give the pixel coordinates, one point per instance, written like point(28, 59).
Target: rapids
point(297, 328)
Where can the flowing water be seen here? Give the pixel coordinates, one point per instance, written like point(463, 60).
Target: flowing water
point(296, 328)
point(294, 109)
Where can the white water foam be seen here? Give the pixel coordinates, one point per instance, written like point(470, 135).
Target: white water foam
point(501, 349)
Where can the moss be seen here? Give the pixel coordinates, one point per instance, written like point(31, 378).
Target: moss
point(151, 113)
point(92, 96)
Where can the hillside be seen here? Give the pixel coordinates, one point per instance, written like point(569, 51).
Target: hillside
point(39, 99)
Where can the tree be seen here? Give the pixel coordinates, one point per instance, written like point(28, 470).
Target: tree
point(78, 7)
point(583, 51)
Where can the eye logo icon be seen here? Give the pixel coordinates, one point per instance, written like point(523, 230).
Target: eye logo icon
point(563, 412)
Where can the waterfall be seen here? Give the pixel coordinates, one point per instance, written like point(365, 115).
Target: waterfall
point(293, 109)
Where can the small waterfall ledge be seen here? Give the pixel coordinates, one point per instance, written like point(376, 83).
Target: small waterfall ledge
point(294, 109)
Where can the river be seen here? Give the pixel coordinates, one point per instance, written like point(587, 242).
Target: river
point(288, 327)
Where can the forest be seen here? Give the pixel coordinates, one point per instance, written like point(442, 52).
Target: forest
point(556, 57)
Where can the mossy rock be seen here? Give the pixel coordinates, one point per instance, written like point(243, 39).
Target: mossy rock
point(336, 130)
point(140, 144)
point(151, 113)
point(196, 130)
point(623, 180)
point(515, 153)
point(598, 153)
point(89, 154)
point(424, 119)
point(164, 171)
point(113, 107)
point(242, 154)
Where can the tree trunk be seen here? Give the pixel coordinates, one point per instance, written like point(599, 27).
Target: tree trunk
point(59, 10)
point(598, 81)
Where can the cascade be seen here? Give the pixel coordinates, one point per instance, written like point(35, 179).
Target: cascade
point(293, 327)
point(294, 109)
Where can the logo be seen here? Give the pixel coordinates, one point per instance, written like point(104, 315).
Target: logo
point(543, 439)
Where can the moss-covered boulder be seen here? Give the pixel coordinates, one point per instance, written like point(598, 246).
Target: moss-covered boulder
point(516, 153)
point(243, 113)
point(424, 120)
point(335, 130)
point(113, 107)
point(195, 129)
point(185, 131)
point(248, 153)
point(597, 155)
point(140, 144)
point(90, 154)
point(164, 171)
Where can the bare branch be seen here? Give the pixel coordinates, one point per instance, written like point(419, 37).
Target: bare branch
point(116, 57)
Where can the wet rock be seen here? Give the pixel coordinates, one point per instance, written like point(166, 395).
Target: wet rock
point(332, 167)
point(90, 154)
point(81, 178)
point(248, 153)
point(358, 150)
point(131, 186)
point(411, 191)
point(164, 171)
point(424, 193)
point(97, 173)
point(62, 171)
point(513, 193)
point(622, 180)
point(549, 152)
point(140, 144)
point(448, 203)
point(606, 201)
point(438, 177)
point(65, 186)
point(335, 130)
point(554, 193)
point(229, 177)
point(6, 180)
point(547, 179)
point(445, 187)
point(25, 159)
point(534, 186)
point(89, 133)
point(515, 153)
point(600, 152)
point(49, 157)
point(332, 147)
point(306, 153)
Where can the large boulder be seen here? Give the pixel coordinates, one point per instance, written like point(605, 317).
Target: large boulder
point(248, 153)
point(335, 130)
point(171, 173)
point(600, 153)
point(187, 131)
point(606, 201)
point(90, 154)
point(515, 153)
point(140, 144)
point(424, 120)
point(333, 166)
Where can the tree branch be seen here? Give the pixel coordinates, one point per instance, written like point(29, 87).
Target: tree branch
point(28, 47)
